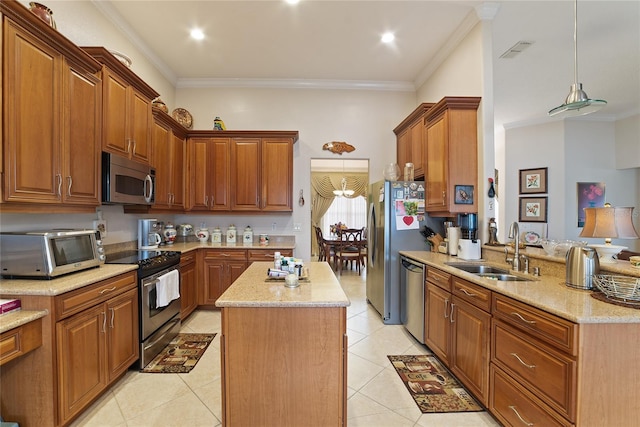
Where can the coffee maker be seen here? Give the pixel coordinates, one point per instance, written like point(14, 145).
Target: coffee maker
point(468, 223)
point(149, 234)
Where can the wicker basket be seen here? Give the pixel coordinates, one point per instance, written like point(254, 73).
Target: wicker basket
point(622, 288)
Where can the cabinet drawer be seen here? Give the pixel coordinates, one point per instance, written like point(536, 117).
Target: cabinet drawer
point(83, 298)
point(187, 257)
point(470, 292)
point(222, 254)
point(551, 374)
point(558, 332)
point(266, 254)
point(514, 406)
point(439, 278)
point(20, 341)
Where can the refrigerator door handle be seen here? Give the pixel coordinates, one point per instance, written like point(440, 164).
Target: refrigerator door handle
point(372, 236)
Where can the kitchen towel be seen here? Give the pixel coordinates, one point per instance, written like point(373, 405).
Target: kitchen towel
point(167, 288)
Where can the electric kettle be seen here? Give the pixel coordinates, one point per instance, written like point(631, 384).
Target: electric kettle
point(582, 264)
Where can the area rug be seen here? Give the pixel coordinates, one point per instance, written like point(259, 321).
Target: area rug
point(431, 385)
point(181, 354)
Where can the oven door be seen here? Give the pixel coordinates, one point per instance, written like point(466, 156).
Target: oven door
point(152, 317)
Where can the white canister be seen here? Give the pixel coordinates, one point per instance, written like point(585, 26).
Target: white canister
point(453, 234)
point(216, 235)
point(247, 236)
point(231, 234)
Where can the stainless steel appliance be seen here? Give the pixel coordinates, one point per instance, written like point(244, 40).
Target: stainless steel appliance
point(468, 223)
point(48, 254)
point(581, 264)
point(390, 203)
point(412, 293)
point(125, 181)
point(158, 325)
point(149, 233)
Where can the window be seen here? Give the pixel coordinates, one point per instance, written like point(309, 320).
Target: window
point(352, 212)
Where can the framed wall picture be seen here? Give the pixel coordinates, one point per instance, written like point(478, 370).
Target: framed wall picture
point(533, 181)
point(533, 209)
point(464, 195)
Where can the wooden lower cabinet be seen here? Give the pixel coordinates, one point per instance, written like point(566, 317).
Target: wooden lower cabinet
point(254, 255)
point(188, 284)
point(299, 377)
point(220, 268)
point(89, 340)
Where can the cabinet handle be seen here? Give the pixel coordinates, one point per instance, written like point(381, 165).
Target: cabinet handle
point(104, 322)
point(107, 290)
point(113, 314)
point(213, 200)
point(522, 361)
point(451, 316)
point(134, 146)
point(513, 408)
point(519, 316)
point(59, 184)
point(227, 255)
point(446, 306)
point(206, 201)
point(69, 187)
point(128, 145)
point(467, 293)
point(444, 196)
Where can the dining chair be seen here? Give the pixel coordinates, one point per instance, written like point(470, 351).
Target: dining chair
point(349, 249)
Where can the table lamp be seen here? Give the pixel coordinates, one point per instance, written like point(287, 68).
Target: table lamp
point(609, 223)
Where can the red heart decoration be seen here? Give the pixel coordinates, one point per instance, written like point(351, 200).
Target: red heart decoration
point(408, 220)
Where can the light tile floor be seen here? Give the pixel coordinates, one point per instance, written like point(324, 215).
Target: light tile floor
point(376, 395)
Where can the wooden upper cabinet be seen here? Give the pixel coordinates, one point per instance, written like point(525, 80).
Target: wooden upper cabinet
point(168, 149)
point(245, 167)
point(51, 110)
point(249, 171)
point(127, 117)
point(277, 174)
point(451, 155)
point(411, 141)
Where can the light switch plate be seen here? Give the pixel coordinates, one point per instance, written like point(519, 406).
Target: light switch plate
point(101, 226)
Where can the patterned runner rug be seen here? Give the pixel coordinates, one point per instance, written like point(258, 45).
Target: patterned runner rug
point(181, 354)
point(431, 385)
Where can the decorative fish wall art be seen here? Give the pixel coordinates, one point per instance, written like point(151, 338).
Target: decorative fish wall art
point(338, 147)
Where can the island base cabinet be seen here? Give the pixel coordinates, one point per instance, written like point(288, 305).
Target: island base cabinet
point(284, 366)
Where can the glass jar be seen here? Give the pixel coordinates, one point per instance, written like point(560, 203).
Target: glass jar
point(408, 172)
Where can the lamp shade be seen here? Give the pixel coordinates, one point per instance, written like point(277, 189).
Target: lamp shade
point(609, 223)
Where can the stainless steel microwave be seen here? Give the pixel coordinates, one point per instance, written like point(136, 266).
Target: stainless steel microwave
point(126, 182)
point(48, 254)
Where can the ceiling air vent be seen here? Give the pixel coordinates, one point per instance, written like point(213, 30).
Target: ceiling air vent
point(516, 49)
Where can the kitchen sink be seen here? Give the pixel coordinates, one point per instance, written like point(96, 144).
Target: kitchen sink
point(477, 268)
point(488, 272)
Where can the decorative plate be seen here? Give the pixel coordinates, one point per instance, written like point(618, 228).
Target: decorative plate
point(532, 238)
point(183, 117)
point(122, 58)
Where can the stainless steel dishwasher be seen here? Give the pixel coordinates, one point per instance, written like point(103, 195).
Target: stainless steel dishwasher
point(412, 297)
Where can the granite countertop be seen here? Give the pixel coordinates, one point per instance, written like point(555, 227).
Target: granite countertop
point(548, 293)
point(18, 318)
point(274, 245)
point(69, 282)
point(252, 289)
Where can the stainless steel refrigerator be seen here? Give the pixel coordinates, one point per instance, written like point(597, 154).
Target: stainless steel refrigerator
point(396, 216)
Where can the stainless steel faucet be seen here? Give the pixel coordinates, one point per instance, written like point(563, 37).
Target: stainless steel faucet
point(514, 233)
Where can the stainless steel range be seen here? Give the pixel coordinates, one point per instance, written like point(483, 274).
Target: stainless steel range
point(159, 320)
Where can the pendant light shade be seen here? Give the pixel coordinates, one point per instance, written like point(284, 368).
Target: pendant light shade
point(577, 102)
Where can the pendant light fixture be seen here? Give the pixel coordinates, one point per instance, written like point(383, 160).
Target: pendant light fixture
point(577, 102)
point(343, 186)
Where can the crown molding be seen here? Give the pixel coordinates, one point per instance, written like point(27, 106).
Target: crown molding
point(396, 86)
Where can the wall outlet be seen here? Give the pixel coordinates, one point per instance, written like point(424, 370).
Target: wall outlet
point(273, 226)
point(297, 226)
point(101, 226)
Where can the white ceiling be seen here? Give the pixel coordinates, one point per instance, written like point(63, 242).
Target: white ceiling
point(325, 43)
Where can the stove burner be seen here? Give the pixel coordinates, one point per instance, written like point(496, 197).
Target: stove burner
point(149, 262)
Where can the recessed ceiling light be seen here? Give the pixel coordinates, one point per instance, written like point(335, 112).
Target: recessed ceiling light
point(387, 37)
point(292, 1)
point(197, 34)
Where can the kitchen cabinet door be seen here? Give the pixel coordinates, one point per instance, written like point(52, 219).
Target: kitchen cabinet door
point(213, 281)
point(436, 176)
point(32, 84)
point(178, 172)
point(209, 172)
point(200, 167)
point(162, 163)
point(220, 174)
point(123, 346)
point(188, 285)
point(277, 175)
point(438, 326)
point(82, 359)
point(470, 347)
point(115, 115)
point(82, 129)
point(139, 128)
point(403, 150)
point(245, 173)
point(417, 148)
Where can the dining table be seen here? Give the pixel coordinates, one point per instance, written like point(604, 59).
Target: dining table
point(333, 241)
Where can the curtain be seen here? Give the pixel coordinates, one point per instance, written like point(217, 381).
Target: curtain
point(322, 186)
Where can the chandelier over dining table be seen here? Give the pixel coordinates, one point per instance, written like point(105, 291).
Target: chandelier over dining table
point(343, 191)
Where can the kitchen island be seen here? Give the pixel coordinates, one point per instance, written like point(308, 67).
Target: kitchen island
point(284, 350)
